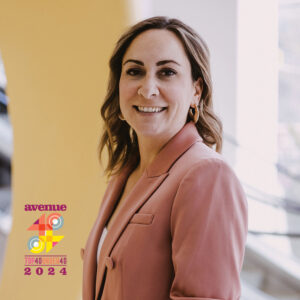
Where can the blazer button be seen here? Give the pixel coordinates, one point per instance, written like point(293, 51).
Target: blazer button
point(81, 253)
point(109, 262)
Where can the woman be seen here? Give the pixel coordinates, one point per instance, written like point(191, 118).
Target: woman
point(173, 220)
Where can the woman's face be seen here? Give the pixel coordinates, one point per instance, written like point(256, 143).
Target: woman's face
point(156, 74)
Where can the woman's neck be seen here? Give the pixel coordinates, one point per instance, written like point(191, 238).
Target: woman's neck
point(148, 149)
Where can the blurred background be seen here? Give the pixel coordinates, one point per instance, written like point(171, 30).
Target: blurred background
point(53, 74)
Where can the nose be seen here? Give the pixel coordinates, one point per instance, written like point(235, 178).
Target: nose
point(148, 88)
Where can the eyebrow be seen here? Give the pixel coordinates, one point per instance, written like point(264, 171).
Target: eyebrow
point(159, 63)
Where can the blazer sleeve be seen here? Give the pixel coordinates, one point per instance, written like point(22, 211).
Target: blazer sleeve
point(209, 225)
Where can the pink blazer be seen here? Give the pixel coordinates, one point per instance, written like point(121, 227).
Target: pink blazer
point(180, 234)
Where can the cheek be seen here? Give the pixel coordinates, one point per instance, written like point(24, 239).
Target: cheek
point(178, 96)
point(126, 90)
point(171, 92)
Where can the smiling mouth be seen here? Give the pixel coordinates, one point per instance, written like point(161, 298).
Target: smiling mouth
point(145, 109)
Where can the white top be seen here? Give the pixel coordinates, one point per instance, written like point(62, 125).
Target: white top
point(104, 232)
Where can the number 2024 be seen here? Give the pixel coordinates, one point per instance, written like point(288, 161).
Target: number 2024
point(40, 271)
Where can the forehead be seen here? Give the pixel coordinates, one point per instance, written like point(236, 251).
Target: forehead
point(156, 44)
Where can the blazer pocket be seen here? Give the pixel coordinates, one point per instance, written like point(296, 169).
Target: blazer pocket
point(141, 218)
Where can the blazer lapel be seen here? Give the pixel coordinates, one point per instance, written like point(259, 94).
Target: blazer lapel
point(151, 179)
point(109, 200)
point(135, 199)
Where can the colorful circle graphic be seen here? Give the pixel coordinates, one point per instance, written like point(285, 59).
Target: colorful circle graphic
point(35, 244)
point(55, 220)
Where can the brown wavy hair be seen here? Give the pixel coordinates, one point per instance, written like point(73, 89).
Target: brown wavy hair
point(119, 138)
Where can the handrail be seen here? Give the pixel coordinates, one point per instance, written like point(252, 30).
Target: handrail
point(282, 266)
point(280, 168)
point(290, 205)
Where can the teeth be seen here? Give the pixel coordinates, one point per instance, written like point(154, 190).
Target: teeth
point(149, 109)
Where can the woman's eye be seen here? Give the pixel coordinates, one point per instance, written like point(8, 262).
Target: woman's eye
point(167, 72)
point(133, 72)
point(163, 72)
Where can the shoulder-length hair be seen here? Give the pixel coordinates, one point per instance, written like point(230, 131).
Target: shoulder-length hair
point(120, 140)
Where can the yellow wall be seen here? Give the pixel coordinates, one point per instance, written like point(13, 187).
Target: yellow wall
point(56, 59)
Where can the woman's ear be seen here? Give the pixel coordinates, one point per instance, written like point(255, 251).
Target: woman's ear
point(198, 85)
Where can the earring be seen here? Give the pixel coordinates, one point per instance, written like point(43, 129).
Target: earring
point(194, 116)
point(121, 117)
